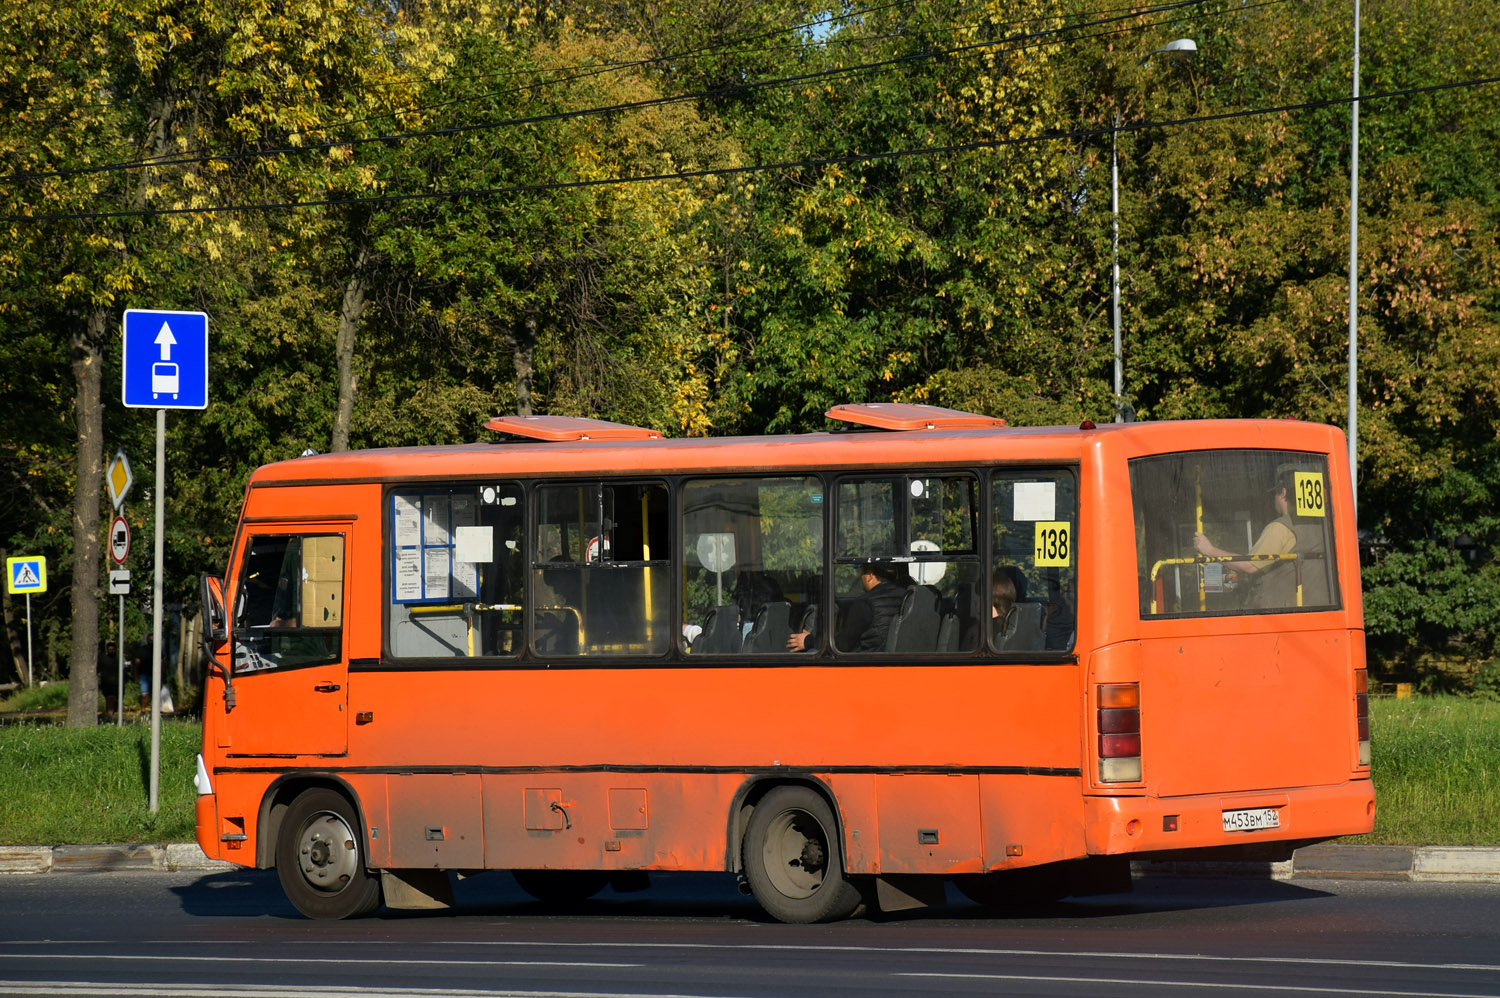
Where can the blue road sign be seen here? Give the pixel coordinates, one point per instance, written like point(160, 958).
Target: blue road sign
point(166, 359)
point(25, 575)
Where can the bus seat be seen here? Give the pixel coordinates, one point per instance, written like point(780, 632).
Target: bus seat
point(915, 627)
point(963, 607)
point(948, 632)
point(1024, 630)
point(771, 630)
point(721, 632)
point(809, 624)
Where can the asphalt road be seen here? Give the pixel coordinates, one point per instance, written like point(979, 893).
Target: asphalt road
point(232, 934)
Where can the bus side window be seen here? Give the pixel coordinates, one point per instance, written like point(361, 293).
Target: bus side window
point(600, 571)
point(752, 568)
point(456, 565)
point(1035, 543)
point(289, 610)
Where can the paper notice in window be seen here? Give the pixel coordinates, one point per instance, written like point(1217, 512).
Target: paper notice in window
point(435, 573)
point(465, 580)
point(1035, 501)
point(464, 508)
point(474, 544)
point(408, 578)
point(406, 517)
point(435, 508)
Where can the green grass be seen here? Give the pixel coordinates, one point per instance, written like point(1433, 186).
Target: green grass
point(50, 696)
point(66, 786)
point(1436, 765)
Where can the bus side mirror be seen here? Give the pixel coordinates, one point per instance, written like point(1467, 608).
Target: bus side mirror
point(215, 620)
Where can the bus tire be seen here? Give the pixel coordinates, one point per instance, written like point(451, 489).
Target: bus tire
point(792, 859)
point(561, 886)
point(320, 859)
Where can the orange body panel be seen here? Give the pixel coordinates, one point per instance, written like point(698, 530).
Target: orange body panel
point(940, 767)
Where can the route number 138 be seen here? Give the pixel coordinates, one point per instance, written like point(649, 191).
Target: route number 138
point(1311, 495)
point(1054, 544)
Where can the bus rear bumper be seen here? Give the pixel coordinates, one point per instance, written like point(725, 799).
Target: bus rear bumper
point(1124, 825)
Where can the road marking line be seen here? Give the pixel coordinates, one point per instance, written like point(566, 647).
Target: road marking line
point(1300, 988)
point(768, 947)
point(935, 950)
point(362, 961)
point(86, 989)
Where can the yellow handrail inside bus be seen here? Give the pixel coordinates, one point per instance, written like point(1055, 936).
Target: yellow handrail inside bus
point(1207, 559)
point(467, 609)
point(1197, 525)
point(646, 556)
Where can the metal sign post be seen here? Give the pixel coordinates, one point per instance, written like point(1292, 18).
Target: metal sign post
point(165, 367)
point(118, 479)
point(119, 582)
point(26, 575)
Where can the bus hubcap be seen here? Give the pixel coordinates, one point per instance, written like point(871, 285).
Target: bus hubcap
point(327, 852)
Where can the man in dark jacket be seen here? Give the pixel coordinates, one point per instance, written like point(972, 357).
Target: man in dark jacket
point(868, 618)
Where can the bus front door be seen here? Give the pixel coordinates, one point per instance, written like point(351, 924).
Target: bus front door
point(288, 653)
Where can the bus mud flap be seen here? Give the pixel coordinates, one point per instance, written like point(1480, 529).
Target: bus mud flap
point(898, 891)
point(414, 889)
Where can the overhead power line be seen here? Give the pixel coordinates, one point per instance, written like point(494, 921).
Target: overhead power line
point(596, 68)
point(737, 90)
point(727, 171)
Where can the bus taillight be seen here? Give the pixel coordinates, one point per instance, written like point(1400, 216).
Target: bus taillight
point(1362, 713)
point(1119, 732)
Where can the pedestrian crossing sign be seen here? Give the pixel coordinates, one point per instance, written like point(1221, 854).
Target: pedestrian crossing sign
point(25, 575)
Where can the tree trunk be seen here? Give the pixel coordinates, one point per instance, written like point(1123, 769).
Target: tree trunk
point(350, 311)
point(525, 347)
point(88, 363)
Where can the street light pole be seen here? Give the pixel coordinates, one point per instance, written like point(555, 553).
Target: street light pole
point(1177, 47)
point(1114, 280)
point(1354, 271)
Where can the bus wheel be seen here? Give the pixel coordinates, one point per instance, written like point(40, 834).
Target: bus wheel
point(792, 859)
point(320, 861)
point(561, 886)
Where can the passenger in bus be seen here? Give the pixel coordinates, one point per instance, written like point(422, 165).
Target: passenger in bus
point(867, 620)
point(1268, 582)
point(1062, 622)
point(1002, 605)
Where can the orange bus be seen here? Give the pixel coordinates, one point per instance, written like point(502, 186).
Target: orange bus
point(848, 666)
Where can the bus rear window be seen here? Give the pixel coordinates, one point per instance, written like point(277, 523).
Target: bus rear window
point(1233, 532)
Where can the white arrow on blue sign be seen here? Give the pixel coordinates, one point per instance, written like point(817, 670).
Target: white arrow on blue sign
point(166, 359)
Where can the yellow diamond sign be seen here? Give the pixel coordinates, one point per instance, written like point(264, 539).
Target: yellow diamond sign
point(118, 478)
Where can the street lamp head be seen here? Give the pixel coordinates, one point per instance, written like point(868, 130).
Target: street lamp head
point(1181, 48)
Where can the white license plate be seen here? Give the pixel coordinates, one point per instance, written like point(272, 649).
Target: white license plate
point(1251, 819)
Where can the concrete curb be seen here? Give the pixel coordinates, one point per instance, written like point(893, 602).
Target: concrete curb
point(1458, 864)
point(106, 858)
point(1470, 864)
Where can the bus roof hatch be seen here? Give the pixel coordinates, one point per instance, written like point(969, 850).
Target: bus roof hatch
point(909, 416)
point(557, 429)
